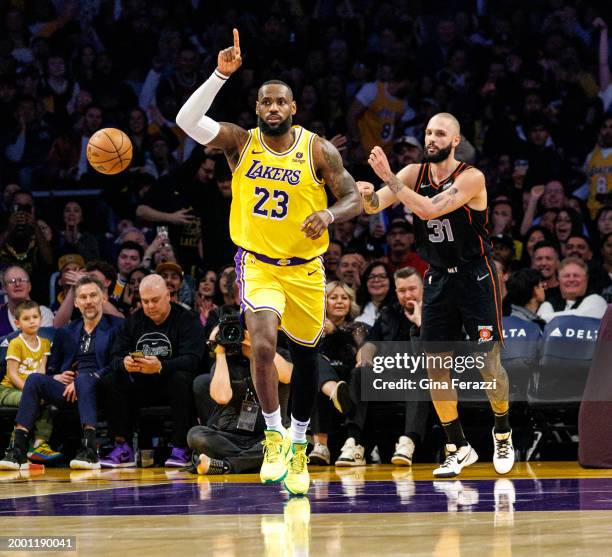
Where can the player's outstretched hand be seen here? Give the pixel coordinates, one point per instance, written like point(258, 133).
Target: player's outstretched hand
point(315, 224)
point(380, 164)
point(229, 59)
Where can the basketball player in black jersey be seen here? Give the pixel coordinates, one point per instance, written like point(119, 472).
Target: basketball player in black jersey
point(449, 201)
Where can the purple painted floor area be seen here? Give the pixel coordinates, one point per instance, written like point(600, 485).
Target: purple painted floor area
point(402, 495)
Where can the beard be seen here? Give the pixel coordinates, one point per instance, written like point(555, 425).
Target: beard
point(278, 129)
point(439, 155)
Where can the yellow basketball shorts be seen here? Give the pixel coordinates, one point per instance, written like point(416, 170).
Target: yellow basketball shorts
point(296, 293)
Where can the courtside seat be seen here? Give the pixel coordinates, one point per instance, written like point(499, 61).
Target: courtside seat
point(556, 387)
point(520, 353)
point(568, 345)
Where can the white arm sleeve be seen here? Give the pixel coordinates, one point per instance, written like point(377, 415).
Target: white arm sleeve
point(192, 117)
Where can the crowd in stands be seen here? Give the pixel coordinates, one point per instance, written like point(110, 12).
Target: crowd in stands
point(529, 83)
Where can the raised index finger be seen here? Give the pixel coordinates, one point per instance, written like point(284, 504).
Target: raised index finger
point(236, 41)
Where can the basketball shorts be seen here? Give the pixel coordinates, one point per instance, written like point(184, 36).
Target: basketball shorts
point(462, 299)
point(295, 292)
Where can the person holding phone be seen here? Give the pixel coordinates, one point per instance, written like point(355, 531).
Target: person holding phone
point(155, 358)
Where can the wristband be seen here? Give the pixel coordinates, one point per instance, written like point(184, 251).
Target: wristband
point(331, 215)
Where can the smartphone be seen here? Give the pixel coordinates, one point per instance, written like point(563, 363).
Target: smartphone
point(137, 354)
point(162, 231)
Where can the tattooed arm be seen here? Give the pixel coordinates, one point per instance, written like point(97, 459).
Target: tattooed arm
point(328, 166)
point(376, 201)
point(469, 186)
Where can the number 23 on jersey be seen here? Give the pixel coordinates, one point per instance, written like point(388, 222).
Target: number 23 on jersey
point(268, 210)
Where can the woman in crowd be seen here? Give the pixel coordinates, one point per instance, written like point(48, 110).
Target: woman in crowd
point(74, 235)
point(204, 302)
point(338, 348)
point(374, 292)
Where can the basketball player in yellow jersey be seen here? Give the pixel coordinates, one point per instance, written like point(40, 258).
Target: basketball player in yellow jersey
point(279, 219)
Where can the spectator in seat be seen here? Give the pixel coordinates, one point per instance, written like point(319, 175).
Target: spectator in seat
point(24, 244)
point(573, 299)
point(397, 322)
point(130, 257)
point(26, 355)
point(545, 259)
point(350, 267)
point(69, 266)
point(74, 237)
point(331, 259)
point(106, 274)
point(374, 292)
point(80, 357)
point(526, 292)
point(17, 285)
point(400, 238)
point(339, 348)
point(156, 355)
point(173, 274)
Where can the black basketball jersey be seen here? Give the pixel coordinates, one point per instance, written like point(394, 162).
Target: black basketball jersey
point(455, 238)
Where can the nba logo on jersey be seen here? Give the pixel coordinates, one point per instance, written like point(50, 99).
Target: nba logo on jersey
point(485, 333)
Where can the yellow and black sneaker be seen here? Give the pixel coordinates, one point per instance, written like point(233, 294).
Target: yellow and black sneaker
point(297, 480)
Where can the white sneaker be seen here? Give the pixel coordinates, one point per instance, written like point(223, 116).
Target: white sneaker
point(319, 456)
point(503, 452)
point(456, 460)
point(351, 454)
point(404, 449)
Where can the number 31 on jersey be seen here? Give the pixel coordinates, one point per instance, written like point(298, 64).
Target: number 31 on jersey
point(440, 230)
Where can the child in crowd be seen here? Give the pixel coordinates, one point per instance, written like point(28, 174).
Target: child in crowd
point(27, 353)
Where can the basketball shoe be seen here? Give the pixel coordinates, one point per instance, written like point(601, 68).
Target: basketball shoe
point(404, 449)
point(456, 460)
point(351, 454)
point(297, 480)
point(503, 452)
point(277, 452)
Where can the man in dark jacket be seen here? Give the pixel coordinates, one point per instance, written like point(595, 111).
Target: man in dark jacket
point(398, 322)
point(79, 358)
point(155, 357)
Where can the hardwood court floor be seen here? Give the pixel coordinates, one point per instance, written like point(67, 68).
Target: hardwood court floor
point(540, 509)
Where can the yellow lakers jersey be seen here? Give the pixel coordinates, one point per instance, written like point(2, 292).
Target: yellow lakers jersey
point(599, 174)
point(377, 124)
point(272, 194)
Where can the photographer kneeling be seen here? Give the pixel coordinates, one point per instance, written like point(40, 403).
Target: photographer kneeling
point(229, 442)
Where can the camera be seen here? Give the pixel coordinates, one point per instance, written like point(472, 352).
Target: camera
point(231, 331)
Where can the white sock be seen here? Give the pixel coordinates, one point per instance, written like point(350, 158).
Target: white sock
point(298, 430)
point(273, 421)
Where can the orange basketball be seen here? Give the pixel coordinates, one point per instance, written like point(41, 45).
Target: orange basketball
point(109, 151)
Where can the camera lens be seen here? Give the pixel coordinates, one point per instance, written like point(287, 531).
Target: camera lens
point(232, 333)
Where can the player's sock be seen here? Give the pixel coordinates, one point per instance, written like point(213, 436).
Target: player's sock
point(298, 430)
point(454, 433)
point(273, 420)
point(502, 423)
